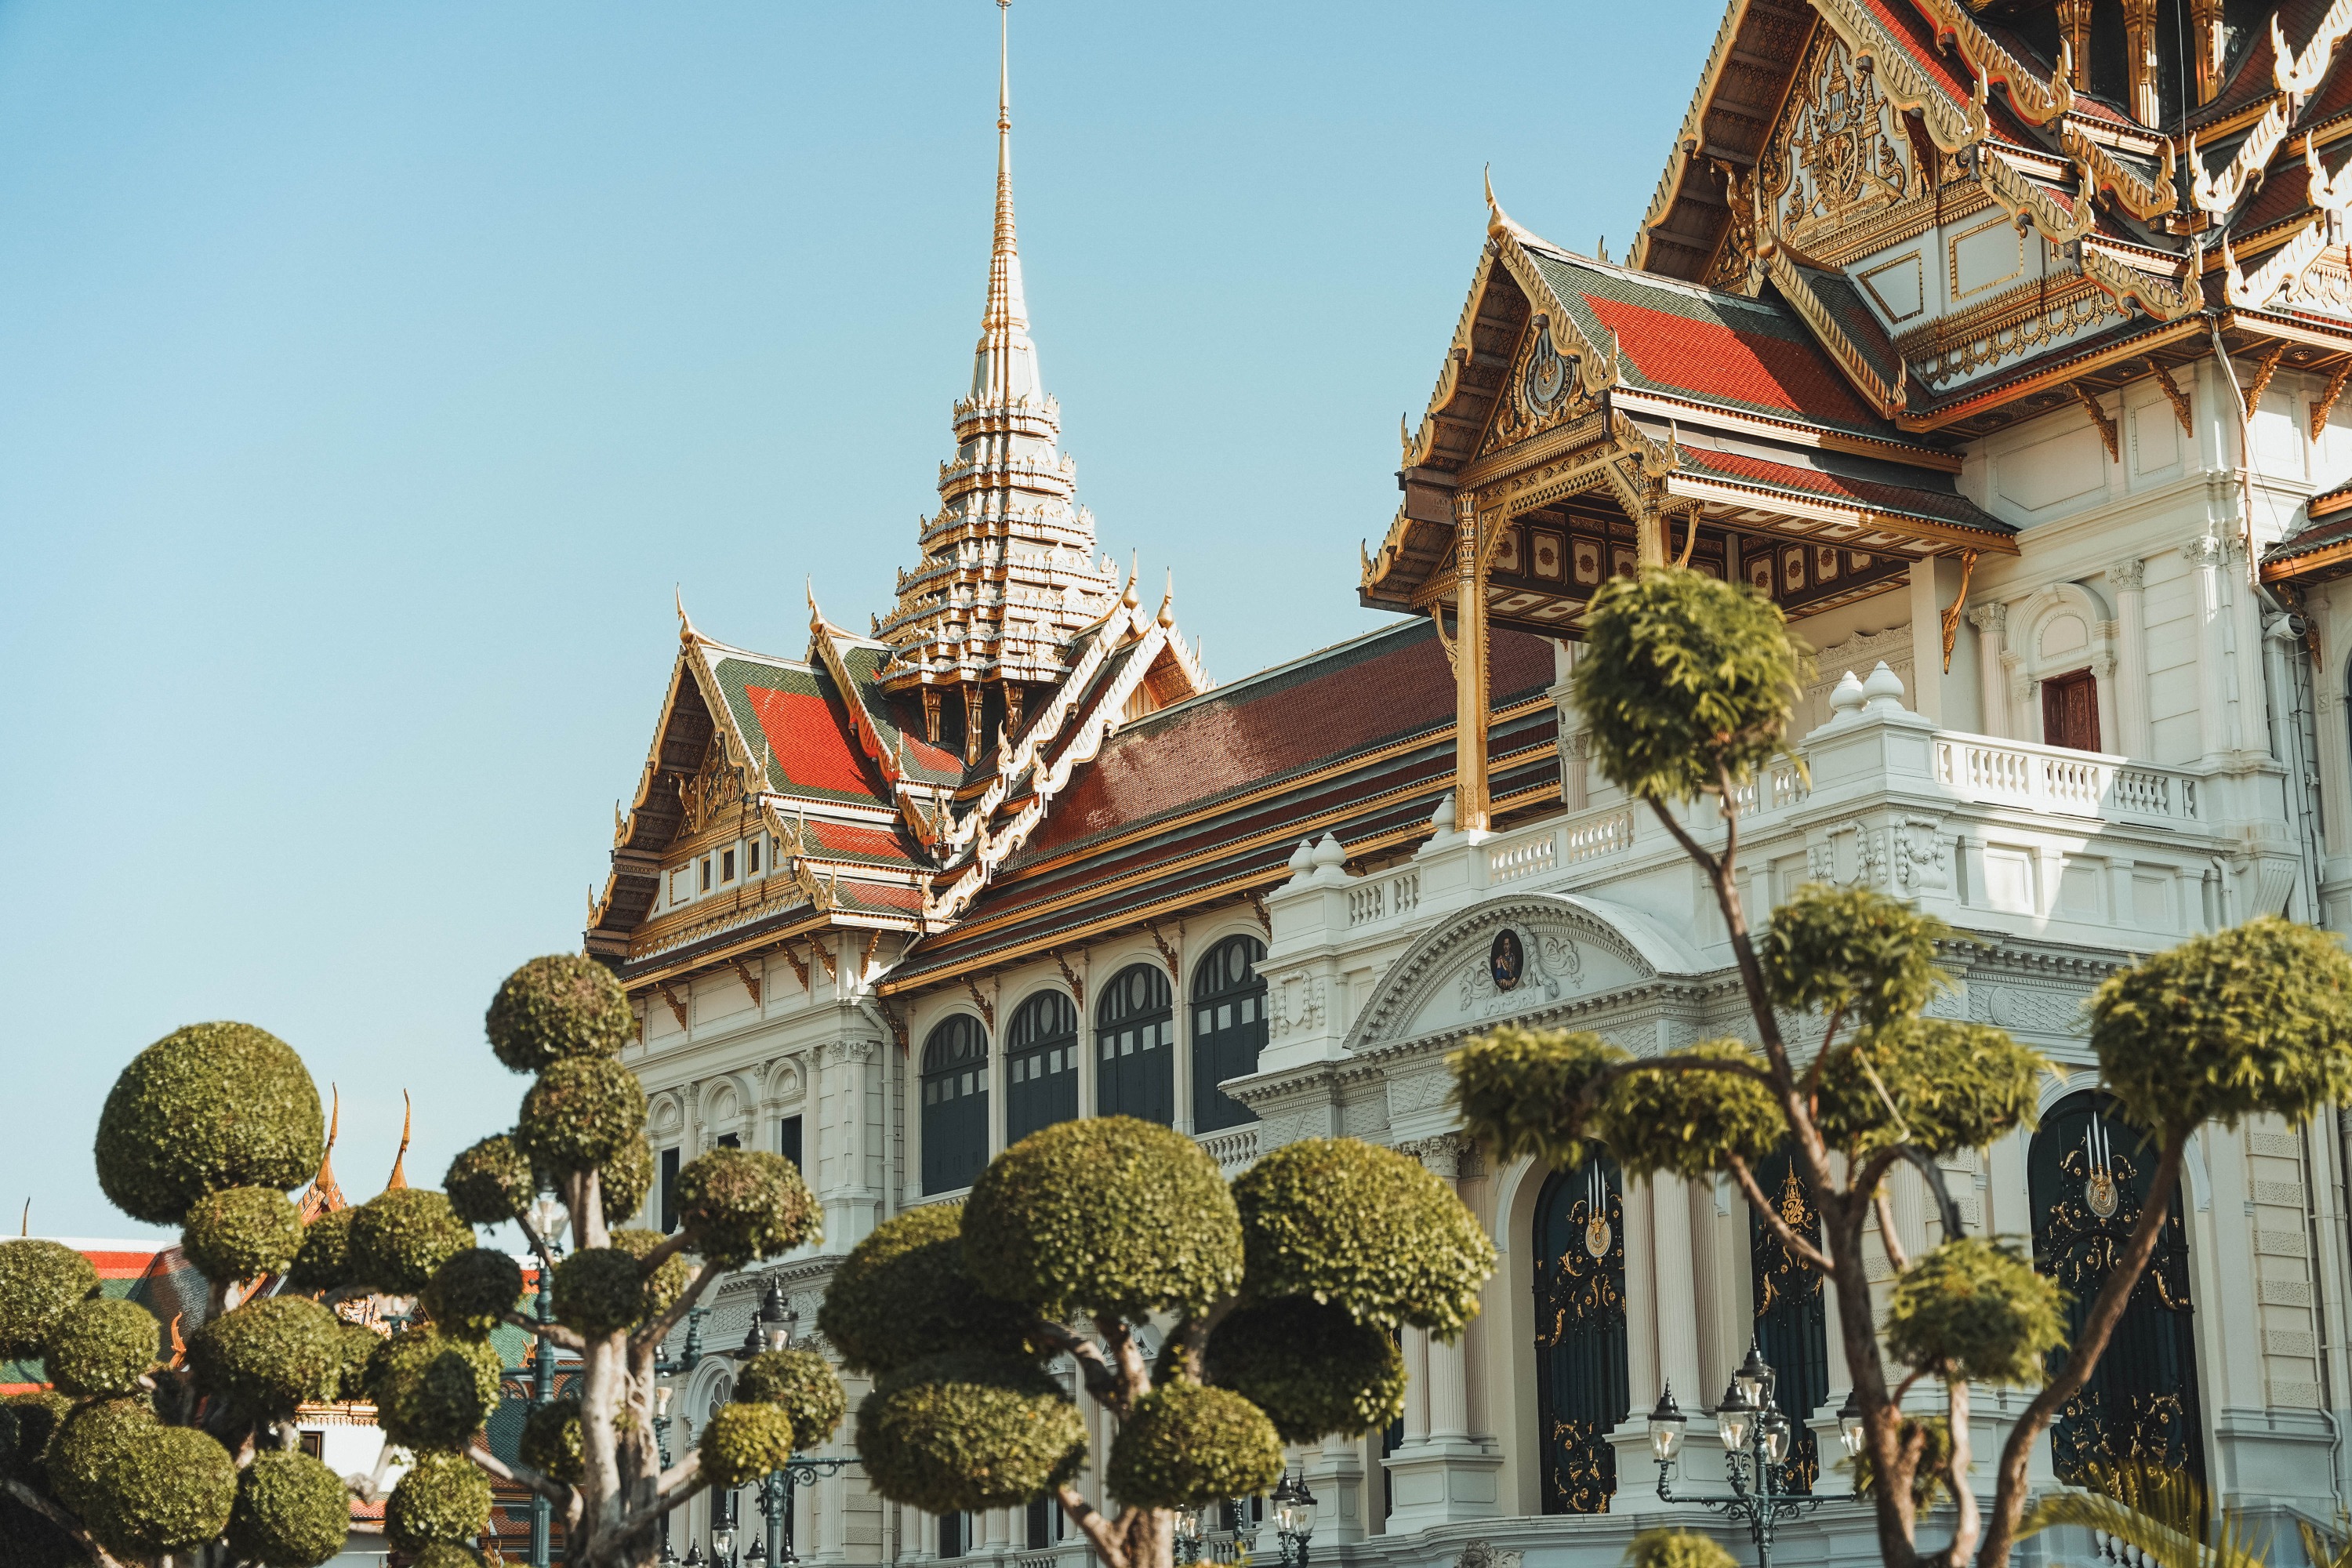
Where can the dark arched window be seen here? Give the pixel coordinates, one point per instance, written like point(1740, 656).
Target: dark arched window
point(1040, 1064)
point(1228, 1029)
point(1792, 1317)
point(955, 1104)
point(1582, 1388)
point(2088, 1174)
point(1135, 1046)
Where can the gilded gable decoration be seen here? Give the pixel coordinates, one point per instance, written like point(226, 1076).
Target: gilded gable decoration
point(2035, 100)
point(2296, 75)
point(2216, 196)
point(1841, 153)
point(712, 787)
point(2138, 196)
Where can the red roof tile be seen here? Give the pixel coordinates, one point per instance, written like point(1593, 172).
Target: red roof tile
point(1901, 500)
point(806, 739)
point(1706, 357)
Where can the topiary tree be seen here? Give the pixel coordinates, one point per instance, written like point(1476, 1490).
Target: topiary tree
point(1277, 1294)
point(1687, 685)
point(138, 1454)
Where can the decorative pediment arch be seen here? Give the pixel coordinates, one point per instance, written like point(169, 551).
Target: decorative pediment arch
point(1514, 955)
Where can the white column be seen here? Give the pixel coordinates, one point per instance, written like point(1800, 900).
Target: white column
point(1926, 641)
point(2246, 653)
point(2204, 557)
point(1443, 1473)
point(2129, 577)
point(1991, 622)
point(1677, 1295)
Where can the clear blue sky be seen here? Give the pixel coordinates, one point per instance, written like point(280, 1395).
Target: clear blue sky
point(369, 373)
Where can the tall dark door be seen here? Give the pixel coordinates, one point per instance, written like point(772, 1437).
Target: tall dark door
point(2069, 711)
point(1581, 1344)
point(1791, 1316)
point(2089, 1176)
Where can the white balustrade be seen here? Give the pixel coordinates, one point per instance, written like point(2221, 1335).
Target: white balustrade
point(1529, 858)
point(2062, 782)
point(1596, 835)
point(1231, 1148)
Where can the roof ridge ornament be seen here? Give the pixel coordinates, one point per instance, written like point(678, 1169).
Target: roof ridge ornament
point(1498, 222)
point(685, 632)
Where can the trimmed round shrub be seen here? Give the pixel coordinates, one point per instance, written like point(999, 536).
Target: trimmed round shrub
point(1976, 1310)
point(401, 1238)
point(1309, 1367)
point(1676, 1549)
point(167, 1489)
point(357, 1344)
point(1959, 1086)
point(623, 1181)
point(432, 1390)
point(1532, 1091)
point(1691, 1123)
point(2255, 1018)
point(1369, 1229)
point(669, 1280)
point(581, 1112)
point(207, 1107)
point(1854, 952)
point(291, 1511)
point(1933, 1435)
point(904, 1291)
point(1685, 679)
point(804, 1384)
point(473, 1292)
point(600, 1290)
point(743, 1442)
point(270, 1355)
point(564, 1004)
point(242, 1233)
point(104, 1345)
point(551, 1440)
point(966, 1431)
point(323, 1262)
point(444, 1497)
point(83, 1455)
point(38, 1280)
point(1105, 1215)
point(27, 1540)
point(744, 1204)
point(490, 1182)
point(1186, 1445)
point(28, 1422)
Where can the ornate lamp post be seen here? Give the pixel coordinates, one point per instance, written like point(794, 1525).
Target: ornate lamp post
point(1188, 1537)
point(1755, 1435)
point(547, 1218)
point(1294, 1519)
point(771, 1330)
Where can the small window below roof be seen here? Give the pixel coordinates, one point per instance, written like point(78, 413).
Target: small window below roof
point(751, 858)
point(726, 865)
point(706, 873)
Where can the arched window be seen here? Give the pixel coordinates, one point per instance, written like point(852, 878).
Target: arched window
point(1582, 1388)
point(2088, 1174)
point(1040, 1064)
point(1228, 1029)
point(1135, 1046)
point(955, 1104)
point(1792, 1317)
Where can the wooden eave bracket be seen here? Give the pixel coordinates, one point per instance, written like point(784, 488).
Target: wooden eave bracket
point(800, 970)
point(987, 1008)
point(2325, 403)
point(1167, 954)
point(1960, 602)
point(2177, 398)
point(2103, 419)
point(751, 981)
point(677, 1007)
point(2267, 368)
point(1078, 986)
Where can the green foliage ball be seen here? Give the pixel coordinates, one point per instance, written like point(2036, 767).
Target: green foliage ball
point(564, 1004)
point(964, 1430)
point(207, 1107)
point(1933, 1436)
point(1692, 1121)
point(744, 1203)
point(668, 1282)
point(600, 1290)
point(1958, 1086)
point(400, 1239)
point(38, 1280)
point(582, 1111)
point(1665, 1548)
point(624, 1181)
point(444, 1497)
point(241, 1233)
point(432, 1390)
point(323, 1262)
point(167, 1489)
point(358, 1344)
point(1105, 1215)
point(473, 1292)
point(491, 1182)
point(2255, 1018)
point(804, 1384)
point(28, 1423)
point(448, 1554)
point(1977, 1309)
point(743, 1442)
point(1186, 1445)
point(1532, 1091)
point(1685, 681)
point(1368, 1229)
point(291, 1511)
point(104, 1345)
point(1852, 952)
point(270, 1355)
point(1312, 1368)
point(551, 1440)
point(904, 1291)
point(84, 1454)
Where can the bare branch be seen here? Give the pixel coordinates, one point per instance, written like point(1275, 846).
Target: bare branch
point(1970, 1523)
point(1896, 1255)
point(673, 1243)
point(1108, 1541)
point(680, 1482)
point(653, 1334)
point(1093, 1370)
point(64, 1522)
point(538, 1244)
point(1691, 847)
point(1797, 1244)
point(556, 1333)
point(520, 1474)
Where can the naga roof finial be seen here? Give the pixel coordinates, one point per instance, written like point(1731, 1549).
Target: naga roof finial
point(399, 1162)
point(1498, 222)
point(685, 632)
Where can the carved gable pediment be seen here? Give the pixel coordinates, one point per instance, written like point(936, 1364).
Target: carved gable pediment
point(1542, 391)
point(1841, 154)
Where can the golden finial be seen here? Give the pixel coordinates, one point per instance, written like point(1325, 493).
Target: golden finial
point(1498, 222)
point(25, 1225)
point(399, 1162)
point(1134, 565)
point(1167, 601)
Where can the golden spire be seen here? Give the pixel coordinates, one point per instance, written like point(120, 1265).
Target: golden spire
point(325, 1194)
point(399, 1174)
point(1005, 325)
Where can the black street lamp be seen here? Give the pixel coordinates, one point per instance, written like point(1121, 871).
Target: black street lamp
point(547, 1217)
point(771, 1330)
point(1187, 1531)
point(1294, 1519)
point(1756, 1438)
